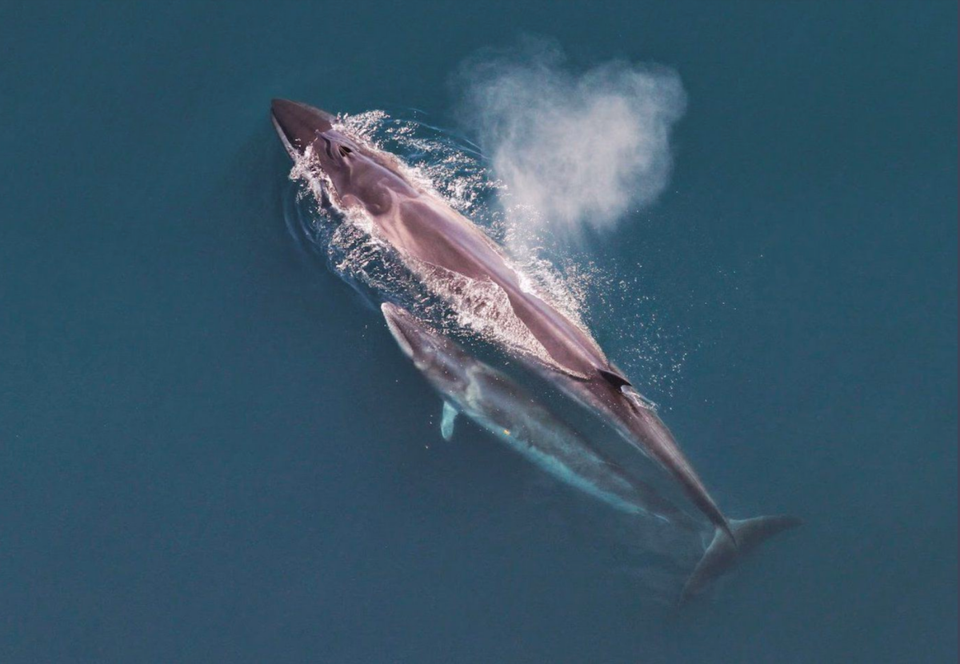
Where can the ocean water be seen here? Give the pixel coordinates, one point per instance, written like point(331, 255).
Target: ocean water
point(212, 450)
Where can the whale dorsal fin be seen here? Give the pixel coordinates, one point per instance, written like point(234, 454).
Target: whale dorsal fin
point(614, 379)
point(447, 421)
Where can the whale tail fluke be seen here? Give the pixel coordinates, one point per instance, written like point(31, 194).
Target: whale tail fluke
point(728, 547)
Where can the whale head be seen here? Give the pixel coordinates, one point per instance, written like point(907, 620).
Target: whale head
point(442, 362)
point(311, 132)
point(299, 125)
point(358, 173)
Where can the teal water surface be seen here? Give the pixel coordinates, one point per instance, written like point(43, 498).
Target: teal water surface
point(210, 451)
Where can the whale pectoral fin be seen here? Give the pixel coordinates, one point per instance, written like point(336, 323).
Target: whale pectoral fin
point(447, 421)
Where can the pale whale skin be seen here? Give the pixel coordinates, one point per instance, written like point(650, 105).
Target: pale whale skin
point(499, 405)
point(422, 227)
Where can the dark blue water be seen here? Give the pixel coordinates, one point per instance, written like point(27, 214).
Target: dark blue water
point(209, 451)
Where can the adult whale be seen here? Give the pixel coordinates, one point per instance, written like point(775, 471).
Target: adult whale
point(430, 236)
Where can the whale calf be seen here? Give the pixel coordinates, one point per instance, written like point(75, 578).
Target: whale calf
point(499, 405)
point(434, 239)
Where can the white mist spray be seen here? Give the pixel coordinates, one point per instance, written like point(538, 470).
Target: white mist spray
point(575, 151)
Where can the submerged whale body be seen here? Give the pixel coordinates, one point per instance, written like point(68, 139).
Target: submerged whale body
point(513, 415)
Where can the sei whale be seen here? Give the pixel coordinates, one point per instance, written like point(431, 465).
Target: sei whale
point(430, 236)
